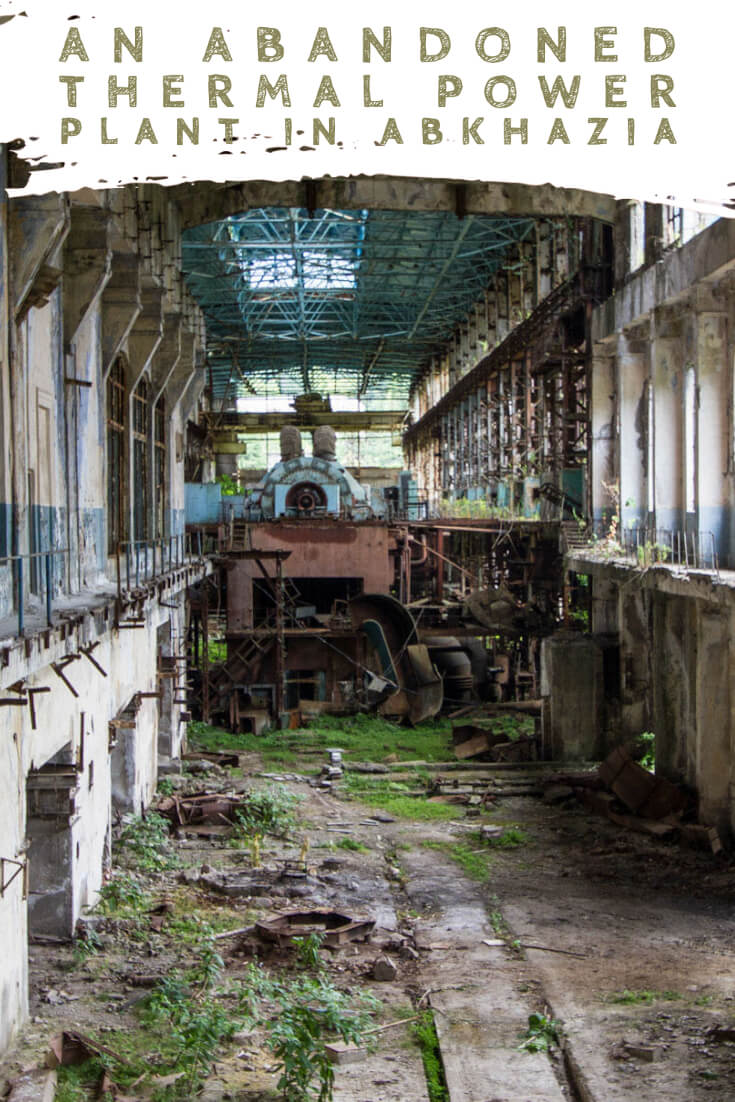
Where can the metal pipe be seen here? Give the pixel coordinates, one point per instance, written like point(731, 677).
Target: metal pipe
point(48, 589)
point(21, 620)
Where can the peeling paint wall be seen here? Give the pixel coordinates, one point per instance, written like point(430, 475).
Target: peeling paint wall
point(85, 279)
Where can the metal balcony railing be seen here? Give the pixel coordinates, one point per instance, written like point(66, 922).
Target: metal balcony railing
point(139, 561)
point(644, 546)
point(18, 565)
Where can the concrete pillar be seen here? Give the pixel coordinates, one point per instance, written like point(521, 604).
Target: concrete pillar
point(711, 361)
point(628, 236)
point(632, 374)
point(712, 733)
point(636, 648)
point(604, 612)
point(603, 413)
point(653, 231)
point(674, 670)
point(667, 377)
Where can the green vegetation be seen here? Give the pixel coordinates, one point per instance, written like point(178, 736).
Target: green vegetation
point(86, 946)
point(511, 837)
point(123, 896)
point(190, 1009)
point(267, 811)
point(542, 1033)
point(395, 798)
point(228, 485)
point(301, 1016)
point(475, 863)
point(473, 853)
point(308, 951)
point(638, 998)
point(428, 1042)
point(361, 738)
point(647, 744)
point(352, 845)
point(498, 923)
point(216, 650)
point(144, 843)
point(479, 508)
point(76, 1082)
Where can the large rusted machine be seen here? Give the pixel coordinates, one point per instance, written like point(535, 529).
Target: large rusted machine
point(328, 600)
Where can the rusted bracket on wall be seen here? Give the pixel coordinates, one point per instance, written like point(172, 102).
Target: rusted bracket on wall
point(70, 380)
point(87, 652)
point(21, 867)
point(59, 667)
point(32, 704)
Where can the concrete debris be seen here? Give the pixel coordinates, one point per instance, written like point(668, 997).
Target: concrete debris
point(221, 758)
point(384, 969)
point(345, 1052)
point(658, 806)
point(647, 1053)
point(475, 740)
point(38, 1085)
point(721, 1033)
point(702, 837)
point(557, 793)
point(642, 793)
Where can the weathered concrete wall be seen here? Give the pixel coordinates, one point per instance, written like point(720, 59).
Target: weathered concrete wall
point(5, 423)
point(83, 279)
point(572, 677)
point(677, 668)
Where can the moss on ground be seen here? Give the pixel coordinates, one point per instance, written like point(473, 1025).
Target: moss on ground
point(360, 737)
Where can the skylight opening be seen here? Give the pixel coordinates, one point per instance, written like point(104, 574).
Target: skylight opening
point(321, 271)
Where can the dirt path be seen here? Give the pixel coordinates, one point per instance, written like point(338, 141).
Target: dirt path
point(641, 980)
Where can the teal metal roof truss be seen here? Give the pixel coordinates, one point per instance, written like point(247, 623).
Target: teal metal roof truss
point(348, 302)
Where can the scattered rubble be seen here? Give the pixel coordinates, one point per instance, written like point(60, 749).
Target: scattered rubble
point(384, 969)
point(631, 797)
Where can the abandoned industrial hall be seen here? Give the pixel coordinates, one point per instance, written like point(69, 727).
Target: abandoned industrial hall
point(448, 466)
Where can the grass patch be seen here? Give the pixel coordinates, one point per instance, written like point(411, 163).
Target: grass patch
point(641, 998)
point(511, 837)
point(428, 1042)
point(360, 737)
point(474, 862)
point(394, 797)
point(352, 845)
point(75, 1083)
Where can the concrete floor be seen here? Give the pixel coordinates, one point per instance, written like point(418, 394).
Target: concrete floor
point(616, 913)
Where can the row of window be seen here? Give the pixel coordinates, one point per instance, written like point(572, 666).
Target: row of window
point(148, 523)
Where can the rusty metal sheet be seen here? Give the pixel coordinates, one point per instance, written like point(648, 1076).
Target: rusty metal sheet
point(336, 927)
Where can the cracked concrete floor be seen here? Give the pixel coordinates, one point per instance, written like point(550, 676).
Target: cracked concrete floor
point(636, 960)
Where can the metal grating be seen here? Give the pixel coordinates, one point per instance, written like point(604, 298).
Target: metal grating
point(348, 302)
